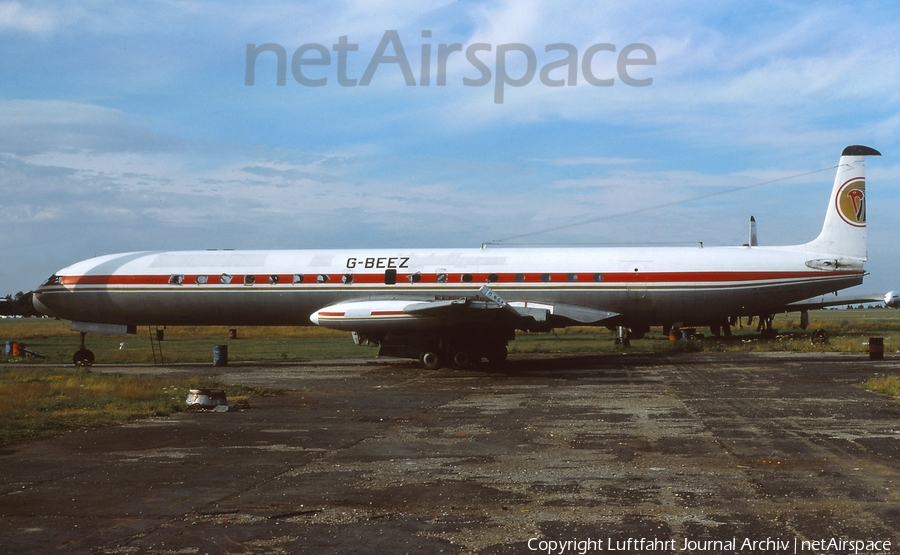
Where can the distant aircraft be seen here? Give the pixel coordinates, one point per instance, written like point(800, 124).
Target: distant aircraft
point(457, 306)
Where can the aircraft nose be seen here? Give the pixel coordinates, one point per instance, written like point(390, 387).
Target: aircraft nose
point(40, 306)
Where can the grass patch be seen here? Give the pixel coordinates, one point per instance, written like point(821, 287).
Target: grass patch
point(888, 385)
point(181, 344)
point(36, 402)
point(848, 330)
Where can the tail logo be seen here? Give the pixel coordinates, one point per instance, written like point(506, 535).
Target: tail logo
point(851, 202)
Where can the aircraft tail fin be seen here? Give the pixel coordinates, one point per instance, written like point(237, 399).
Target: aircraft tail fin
point(844, 232)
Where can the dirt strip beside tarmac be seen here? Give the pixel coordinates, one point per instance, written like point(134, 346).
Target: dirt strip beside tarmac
point(711, 453)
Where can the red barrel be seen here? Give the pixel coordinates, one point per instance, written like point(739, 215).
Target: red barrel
point(876, 348)
point(15, 349)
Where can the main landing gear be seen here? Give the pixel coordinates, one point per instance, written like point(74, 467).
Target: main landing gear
point(83, 356)
point(437, 358)
point(459, 348)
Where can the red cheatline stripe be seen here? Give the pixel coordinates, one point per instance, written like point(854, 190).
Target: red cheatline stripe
point(331, 314)
point(262, 280)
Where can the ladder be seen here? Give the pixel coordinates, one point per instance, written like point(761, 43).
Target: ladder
point(156, 336)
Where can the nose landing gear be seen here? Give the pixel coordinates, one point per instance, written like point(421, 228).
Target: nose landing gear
point(83, 356)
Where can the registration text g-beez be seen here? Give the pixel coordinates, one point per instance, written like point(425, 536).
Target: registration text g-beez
point(379, 263)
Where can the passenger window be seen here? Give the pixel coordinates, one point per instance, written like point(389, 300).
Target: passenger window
point(176, 279)
point(201, 280)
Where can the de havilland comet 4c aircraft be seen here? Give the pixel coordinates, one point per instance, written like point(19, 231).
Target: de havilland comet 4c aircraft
point(457, 306)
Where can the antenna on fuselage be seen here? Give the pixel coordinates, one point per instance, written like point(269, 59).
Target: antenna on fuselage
point(753, 242)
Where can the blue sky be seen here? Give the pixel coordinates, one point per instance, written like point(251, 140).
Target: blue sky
point(128, 126)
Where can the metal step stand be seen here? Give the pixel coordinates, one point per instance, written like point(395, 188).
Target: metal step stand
point(156, 336)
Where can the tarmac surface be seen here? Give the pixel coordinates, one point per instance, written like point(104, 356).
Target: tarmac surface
point(699, 453)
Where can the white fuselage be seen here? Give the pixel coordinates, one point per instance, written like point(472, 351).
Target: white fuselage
point(646, 285)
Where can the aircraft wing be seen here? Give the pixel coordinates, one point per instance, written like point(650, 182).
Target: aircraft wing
point(485, 306)
point(891, 300)
point(825, 301)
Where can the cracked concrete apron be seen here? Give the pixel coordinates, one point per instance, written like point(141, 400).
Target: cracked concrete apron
point(387, 458)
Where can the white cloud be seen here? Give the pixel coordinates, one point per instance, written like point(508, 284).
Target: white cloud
point(587, 161)
point(15, 16)
point(54, 112)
